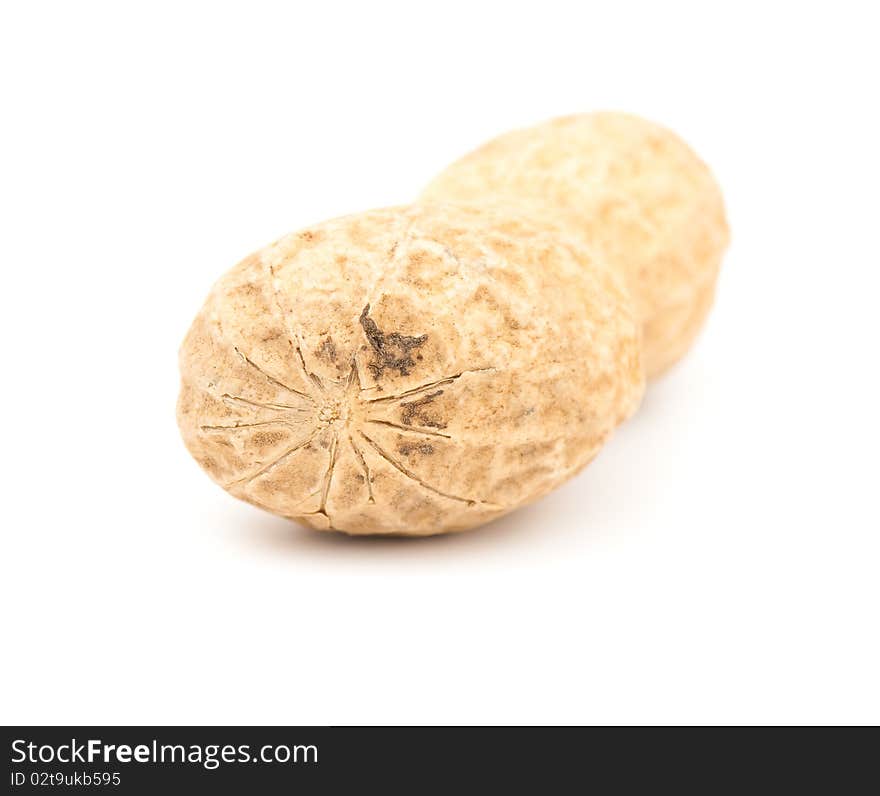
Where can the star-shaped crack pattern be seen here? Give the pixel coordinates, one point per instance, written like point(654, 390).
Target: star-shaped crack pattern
point(325, 408)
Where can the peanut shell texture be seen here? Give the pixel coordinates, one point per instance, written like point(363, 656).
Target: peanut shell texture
point(631, 191)
point(413, 370)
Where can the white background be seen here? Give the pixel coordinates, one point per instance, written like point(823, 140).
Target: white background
point(717, 563)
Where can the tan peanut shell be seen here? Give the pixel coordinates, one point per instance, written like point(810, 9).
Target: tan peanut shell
point(629, 189)
point(410, 370)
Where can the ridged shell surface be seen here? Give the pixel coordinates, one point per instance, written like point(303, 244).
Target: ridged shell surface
point(411, 370)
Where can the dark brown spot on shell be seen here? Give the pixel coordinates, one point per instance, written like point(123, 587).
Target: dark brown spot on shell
point(407, 448)
point(392, 351)
point(262, 438)
point(414, 413)
point(327, 350)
